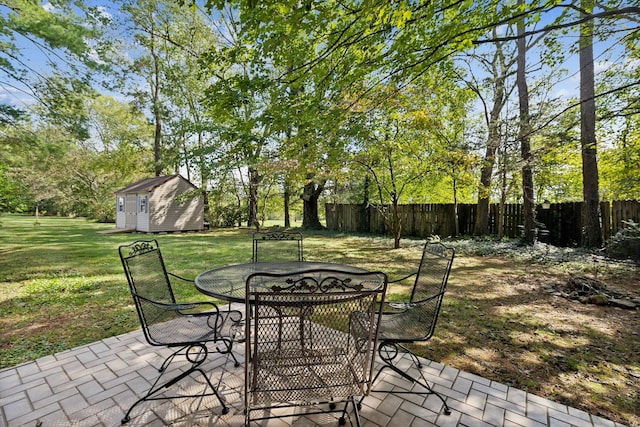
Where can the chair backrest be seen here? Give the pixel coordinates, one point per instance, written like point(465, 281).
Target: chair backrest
point(277, 246)
point(148, 281)
point(311, 335)
point(433, 272)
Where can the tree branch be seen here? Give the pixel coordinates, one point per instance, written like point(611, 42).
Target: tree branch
point(607, 13)
point(577, 104)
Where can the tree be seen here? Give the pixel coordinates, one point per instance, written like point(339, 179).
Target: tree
point(38, 161)
point(68, 176)
point(397, 150)
point(65, 37)
point(149, 20)
point(498, 65)
point(558, 171)
point(239, 101)
point(620, 163)
point(590, 179)
point(340, 53)
point(619, 156)
point(63, 103)
point(524, 135)
point(14, 193)
point(454, 155)
point(119, 155)
point(192, 143)
point(608, 12)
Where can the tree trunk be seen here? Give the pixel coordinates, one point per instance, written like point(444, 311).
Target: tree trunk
point(481, 227)
point(455, 206)
point(396, 225)
point(503, 191)
point(365, 218)
point(590, 181)
point(254, 181)
point(205, 201)
point(287, 198)
point(157, 115)
point(310, 218)
point(239, 207)
point(525, 137)
point(486, 172)
point(500, 69)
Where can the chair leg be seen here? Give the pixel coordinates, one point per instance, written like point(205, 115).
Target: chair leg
point(235, 361)
point(170, 358)
point(195, 368)
point(356, 412)
point(228, 344)
point(389, 365)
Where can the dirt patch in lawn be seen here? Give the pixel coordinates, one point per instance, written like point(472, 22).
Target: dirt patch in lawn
point(502, 320)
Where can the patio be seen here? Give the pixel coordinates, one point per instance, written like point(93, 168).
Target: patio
point(94, 384)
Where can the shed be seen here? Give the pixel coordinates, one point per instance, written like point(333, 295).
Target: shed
point(154, 205)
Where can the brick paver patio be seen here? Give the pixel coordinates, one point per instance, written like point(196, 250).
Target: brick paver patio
point(94, 385)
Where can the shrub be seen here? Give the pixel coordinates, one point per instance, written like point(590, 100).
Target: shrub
point(626, 243)
point(225, 216)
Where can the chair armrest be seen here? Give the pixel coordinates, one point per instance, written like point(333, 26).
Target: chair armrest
point(180, 277)
point(184, 309)
point(403, 278)
point(395, 307)
point(402, 305)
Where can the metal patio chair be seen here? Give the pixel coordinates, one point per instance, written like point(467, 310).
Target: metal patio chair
point(277, 246)
point(185, 327)
point(321, 357)
point(415, 320)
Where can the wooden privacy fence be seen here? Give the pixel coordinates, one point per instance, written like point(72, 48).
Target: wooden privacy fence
point(562, 220)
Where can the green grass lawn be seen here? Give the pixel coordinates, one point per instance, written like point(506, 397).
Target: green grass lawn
point(62, 286)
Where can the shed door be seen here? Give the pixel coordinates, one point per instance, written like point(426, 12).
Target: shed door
point(130, 209)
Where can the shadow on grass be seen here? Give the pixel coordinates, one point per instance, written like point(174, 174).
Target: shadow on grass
point(498, 322)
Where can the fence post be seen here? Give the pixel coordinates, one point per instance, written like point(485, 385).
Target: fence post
point(605, 218)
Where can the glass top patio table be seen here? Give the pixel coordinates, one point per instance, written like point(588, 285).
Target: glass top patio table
point(229, 282)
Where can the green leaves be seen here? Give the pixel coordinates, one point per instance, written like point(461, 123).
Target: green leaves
point(55, 29)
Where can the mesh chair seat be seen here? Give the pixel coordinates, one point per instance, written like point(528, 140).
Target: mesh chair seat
point(187, 329)
point(406, 326)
